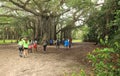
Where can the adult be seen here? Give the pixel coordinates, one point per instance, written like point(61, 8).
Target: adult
point(51, 41)
point(63, 40)
point(44, 43)
point(70, 42)
point(57, 43)
point(66, 43)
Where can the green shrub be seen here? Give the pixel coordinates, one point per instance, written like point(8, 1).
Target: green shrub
point(104, 63)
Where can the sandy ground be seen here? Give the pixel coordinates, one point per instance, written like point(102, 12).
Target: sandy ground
point(55, 62)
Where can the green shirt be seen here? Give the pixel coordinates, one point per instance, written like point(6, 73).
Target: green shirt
point(20, 43)
point(25, 44)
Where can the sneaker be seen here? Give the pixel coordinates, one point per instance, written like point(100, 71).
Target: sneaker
point(20, 55)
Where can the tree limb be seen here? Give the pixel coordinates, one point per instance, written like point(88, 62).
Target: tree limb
point(23, 7)
point(24, 3)
point(11, 8)
point(3, 15)
point(63, 12)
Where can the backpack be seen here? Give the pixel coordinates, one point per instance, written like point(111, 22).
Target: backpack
point(45, 43)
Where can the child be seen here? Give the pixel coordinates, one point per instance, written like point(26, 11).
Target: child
point(34, 47)
point(30, 48)
point(20, 45)
point(25, 45)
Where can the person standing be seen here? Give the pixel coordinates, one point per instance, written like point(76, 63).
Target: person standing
point(66, 43)
point(57, 43)
point(70, 42)
point(63, 40)
point(30, 47)
point(25, 45)
point(51, 41)
point(34, 47)
point(44, 43)
point(20, 47)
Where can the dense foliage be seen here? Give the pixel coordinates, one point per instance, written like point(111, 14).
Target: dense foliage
point(45, 18)
point(106, 61)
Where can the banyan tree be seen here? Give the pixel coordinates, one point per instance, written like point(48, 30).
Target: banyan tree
point(41, 15)
point(48, 19)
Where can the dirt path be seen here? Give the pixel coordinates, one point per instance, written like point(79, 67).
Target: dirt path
point(56, 62)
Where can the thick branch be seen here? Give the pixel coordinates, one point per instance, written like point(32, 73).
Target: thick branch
point(23, 7)
point(8, 16)
point(78, 16)
point(13, 16)
point(63, 12)
point(11, 8)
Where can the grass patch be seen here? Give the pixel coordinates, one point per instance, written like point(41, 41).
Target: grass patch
point(77, 41)
point(7, 41)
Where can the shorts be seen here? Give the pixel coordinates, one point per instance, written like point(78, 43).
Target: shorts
point(20, 49)
point(25, 48)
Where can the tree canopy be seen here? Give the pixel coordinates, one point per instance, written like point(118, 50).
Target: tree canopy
point(58, 18)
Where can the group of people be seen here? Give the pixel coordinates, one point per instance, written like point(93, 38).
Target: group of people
point(66, 42)
point(56, 42)
point(26, 46)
